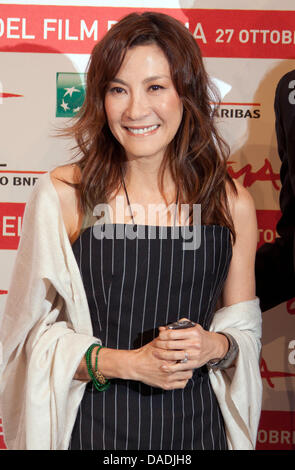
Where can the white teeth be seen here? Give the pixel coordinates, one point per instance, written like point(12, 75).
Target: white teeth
point(143, 130)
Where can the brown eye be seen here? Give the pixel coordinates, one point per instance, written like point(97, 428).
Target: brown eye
point(116, 90)
point(156, 87)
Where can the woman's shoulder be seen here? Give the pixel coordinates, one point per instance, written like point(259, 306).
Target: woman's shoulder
point(65, 178)
point(69, 173)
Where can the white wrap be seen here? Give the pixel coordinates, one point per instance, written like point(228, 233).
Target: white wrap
point(239, 389)
point(46, 329)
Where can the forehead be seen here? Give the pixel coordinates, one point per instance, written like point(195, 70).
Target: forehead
point(142, 61)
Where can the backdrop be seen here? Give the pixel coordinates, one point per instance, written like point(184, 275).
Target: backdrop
point(247, 46)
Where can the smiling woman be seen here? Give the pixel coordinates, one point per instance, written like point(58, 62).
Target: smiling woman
point(155, 381)
point(148, 71)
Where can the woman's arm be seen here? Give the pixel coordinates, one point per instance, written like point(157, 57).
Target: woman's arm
point(240, 282)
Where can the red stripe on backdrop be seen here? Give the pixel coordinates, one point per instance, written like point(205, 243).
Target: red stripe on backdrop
point(10, 95)
point(236, 104)
point(220, 33)
point(22, 172)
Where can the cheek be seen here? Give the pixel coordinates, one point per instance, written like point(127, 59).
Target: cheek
point(172, 108)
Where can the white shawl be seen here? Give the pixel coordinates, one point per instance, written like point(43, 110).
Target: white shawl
point(46, 329)
point(239, 389)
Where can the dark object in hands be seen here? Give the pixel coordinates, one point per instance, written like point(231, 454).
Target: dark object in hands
point(181, 324)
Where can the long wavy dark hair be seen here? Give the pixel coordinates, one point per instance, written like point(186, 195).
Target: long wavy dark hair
point(196, 156)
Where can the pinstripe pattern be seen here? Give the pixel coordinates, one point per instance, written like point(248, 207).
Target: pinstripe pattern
point(133, 287)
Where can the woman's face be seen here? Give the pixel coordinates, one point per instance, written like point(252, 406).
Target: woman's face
point(142, 106)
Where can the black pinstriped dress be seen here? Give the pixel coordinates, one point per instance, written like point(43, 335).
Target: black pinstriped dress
point(133, 286)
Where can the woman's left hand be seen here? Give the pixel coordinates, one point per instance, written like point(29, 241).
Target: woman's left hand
point(195, 344)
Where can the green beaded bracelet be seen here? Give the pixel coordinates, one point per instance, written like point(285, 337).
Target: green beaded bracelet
point(99, 381)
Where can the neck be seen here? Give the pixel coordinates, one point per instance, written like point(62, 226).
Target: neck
point(142, 176)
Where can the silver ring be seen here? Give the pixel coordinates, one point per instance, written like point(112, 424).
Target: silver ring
point(185, 359)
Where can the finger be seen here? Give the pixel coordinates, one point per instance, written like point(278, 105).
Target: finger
point(182, 375)
point(176, 345)
point(173, 367)
point(182, 333)
point(168, 345)
point(180, 384)
point(169, 355)
point(175, 385)
point(179, 367)
point(161, 328)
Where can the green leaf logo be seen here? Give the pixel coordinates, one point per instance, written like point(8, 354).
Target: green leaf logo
point(70, 93)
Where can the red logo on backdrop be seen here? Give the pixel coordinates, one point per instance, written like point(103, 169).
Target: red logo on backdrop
point(11, 215)
point(265, 173)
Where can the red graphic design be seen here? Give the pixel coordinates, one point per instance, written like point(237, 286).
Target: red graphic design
point(9, 95)
point(11, 214)
point(291, 306)
point(75, 29)
point(276, 431)
point(3, 292)
point(265, 173)
point(269, 374)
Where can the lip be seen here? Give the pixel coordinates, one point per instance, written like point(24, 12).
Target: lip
point(153, 131)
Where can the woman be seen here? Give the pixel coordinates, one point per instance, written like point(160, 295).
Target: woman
point(102, 304)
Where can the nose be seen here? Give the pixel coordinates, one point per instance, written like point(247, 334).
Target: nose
point(137, 107)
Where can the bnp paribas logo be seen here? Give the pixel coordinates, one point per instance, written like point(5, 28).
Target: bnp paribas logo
point(70, 93)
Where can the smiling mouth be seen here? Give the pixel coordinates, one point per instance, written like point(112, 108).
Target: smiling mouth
point(142, 130)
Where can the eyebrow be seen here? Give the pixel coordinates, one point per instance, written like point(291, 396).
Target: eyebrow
point(146, 80)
